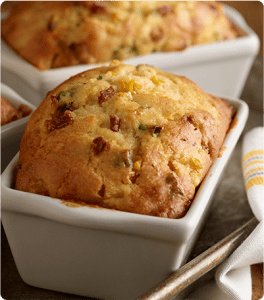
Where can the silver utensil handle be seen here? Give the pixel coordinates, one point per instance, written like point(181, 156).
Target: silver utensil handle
point(193, 270)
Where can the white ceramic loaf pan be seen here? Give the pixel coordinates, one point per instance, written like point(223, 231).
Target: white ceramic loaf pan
point(103, 253)
point(218, 68)
point(11, 133)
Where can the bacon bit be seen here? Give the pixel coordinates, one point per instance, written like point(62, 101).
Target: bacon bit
point(156, 34)
point(114, 123)
point(60, 119)
point(98, 8)
point(157, 130)
point(106, 94)
point(165, 10)
point(100, 145)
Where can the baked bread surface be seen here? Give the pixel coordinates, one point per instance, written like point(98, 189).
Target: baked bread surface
point(9, 113)
point(129, 138)
point(53, 34)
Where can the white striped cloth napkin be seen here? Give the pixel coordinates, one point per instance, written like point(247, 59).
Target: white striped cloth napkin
point(233, 277)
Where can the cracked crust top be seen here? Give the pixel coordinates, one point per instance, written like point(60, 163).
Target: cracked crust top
point(129, 138)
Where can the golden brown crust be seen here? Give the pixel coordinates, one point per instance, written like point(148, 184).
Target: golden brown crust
point(53, 34)
point(8, 112)
point(129, 138)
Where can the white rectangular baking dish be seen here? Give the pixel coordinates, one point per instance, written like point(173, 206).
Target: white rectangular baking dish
point(103, 253)
point(11, 133)
point(218, 68)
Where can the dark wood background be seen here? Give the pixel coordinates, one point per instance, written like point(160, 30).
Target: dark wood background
point(252, 12)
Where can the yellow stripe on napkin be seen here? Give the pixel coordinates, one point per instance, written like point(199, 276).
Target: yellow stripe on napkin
point(254, 181)
point(251, 154)
point(252, 162)
point(254, 170)
point(255, 174)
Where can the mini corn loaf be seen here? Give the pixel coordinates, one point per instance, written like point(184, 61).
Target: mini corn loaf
point(53, 34)
point(134, 139)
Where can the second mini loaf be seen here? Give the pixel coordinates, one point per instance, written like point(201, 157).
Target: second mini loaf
point(54, 34)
